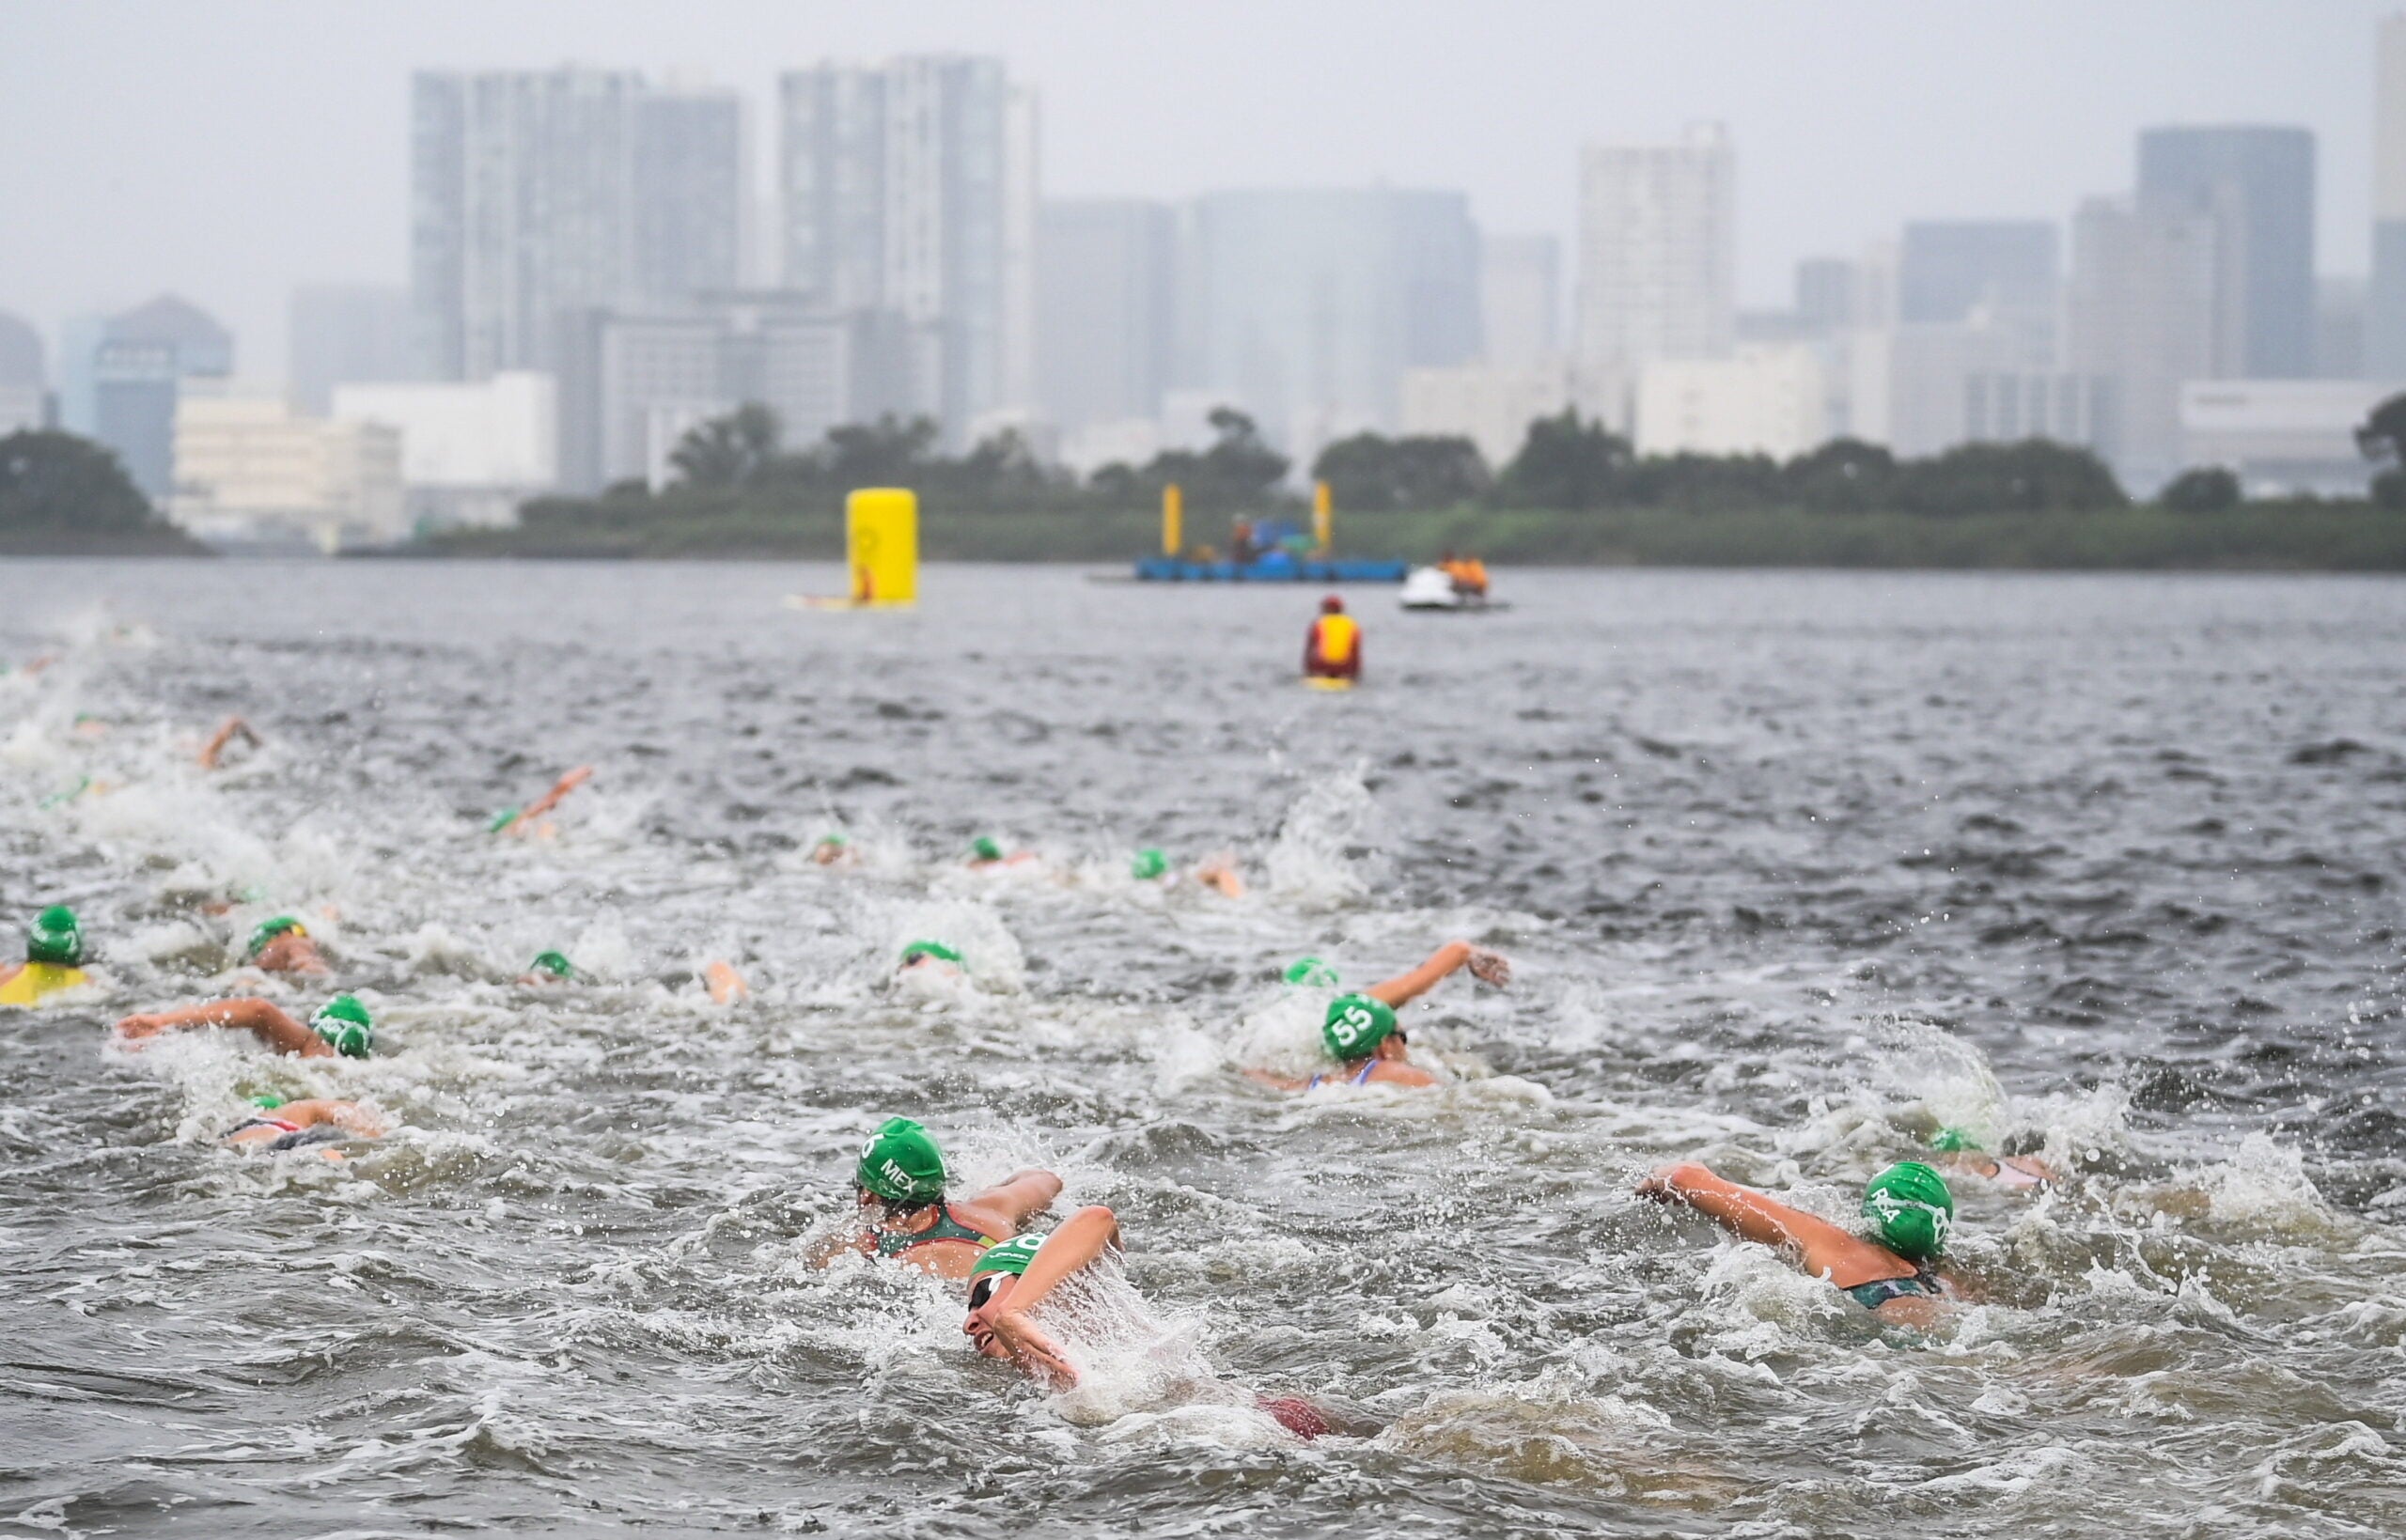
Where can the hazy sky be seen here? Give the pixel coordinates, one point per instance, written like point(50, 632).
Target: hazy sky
point(226, 149)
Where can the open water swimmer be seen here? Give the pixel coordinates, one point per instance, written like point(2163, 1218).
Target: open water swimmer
point(279, 1127)
point(903, 1189)
point(549, 968)
point(230, 732)
point(284, 945)
point(1362, 1031)
point(529, 821)
point(1010, 1282)
point(53, 959)
point(1896, 1277)
point(341, 1026)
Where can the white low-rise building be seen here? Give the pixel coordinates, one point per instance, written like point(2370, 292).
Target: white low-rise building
point(249, 470)
point(2282, 436)
point(470, 452)
point(1765, 401)
point(1493, 407)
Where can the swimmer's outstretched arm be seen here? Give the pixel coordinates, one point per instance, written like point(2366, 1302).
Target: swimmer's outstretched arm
point(1021, 1194)
point(1488, 967)
point(234, 727)
point(259, 1017)
point(551, 799)
point(1819, 1247)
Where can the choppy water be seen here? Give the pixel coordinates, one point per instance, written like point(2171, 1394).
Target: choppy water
point(1791, 866)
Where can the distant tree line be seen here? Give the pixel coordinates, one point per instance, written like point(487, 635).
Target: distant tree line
point(63, 492)
point(739, 488)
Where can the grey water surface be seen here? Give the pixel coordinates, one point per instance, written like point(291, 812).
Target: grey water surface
point(1793, 869)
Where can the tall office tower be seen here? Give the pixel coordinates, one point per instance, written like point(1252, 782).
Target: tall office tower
point(2144, 311)
point(1657, 253)
point(343, 334)
point(23, 386)
point(1307, 306)
point(1520, 287)
point(2385, 301)
point(139, 365)
point(2261, 182)
point(911, 187)
point(1826, 294)
point(536, 194)
point(2002, 271)
point(1104, 327)
point(689, 196)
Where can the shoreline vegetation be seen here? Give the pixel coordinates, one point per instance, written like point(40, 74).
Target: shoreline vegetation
point(61, 495)
point(1575, 495)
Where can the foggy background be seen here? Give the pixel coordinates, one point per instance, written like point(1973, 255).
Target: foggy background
point(228, 151)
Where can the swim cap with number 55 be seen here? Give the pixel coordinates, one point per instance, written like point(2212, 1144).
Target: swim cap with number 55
point(1355, 1026)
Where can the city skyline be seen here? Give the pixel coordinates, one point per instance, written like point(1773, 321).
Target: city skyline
point(259, 210)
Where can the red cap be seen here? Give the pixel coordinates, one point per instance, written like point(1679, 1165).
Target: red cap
point(1332, 605)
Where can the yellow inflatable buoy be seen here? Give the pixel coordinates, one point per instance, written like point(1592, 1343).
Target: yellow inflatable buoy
point(29, 983)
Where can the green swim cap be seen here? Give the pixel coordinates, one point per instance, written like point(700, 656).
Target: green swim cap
point(268, 931)
point(937, 950)
point(267, 1101)
point(832, 838)
point(1311, 971)
point(1910, 1203)
point(900, 1163)
point(1951, 1140)
point(554, 963)
point(503, 819)
point(1149, 864)
point(1355, 1026)
point(1011, 1256)
point(343, 1024)
point(984, 848)
point(55, 938)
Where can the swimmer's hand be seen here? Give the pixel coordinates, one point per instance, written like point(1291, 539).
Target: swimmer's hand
point(1661, 1188)
point(1490, 968)
point(142, 1024)
point(1036, 1353)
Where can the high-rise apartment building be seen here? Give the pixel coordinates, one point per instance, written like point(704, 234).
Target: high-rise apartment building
point(1657, 253)
point(2259, 183)
point(1305, 307)
point(690, 192)
point(1104, 309)
point(2385, 300)
point(537, 193)
point(346, 333)
point(2144, 310)
point(910, 187)
point(1519, 290)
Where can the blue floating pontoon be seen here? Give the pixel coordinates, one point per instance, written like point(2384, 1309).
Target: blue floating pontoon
point(1277, 567)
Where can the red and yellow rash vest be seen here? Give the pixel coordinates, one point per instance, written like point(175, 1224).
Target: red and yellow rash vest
point(1334, 650)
